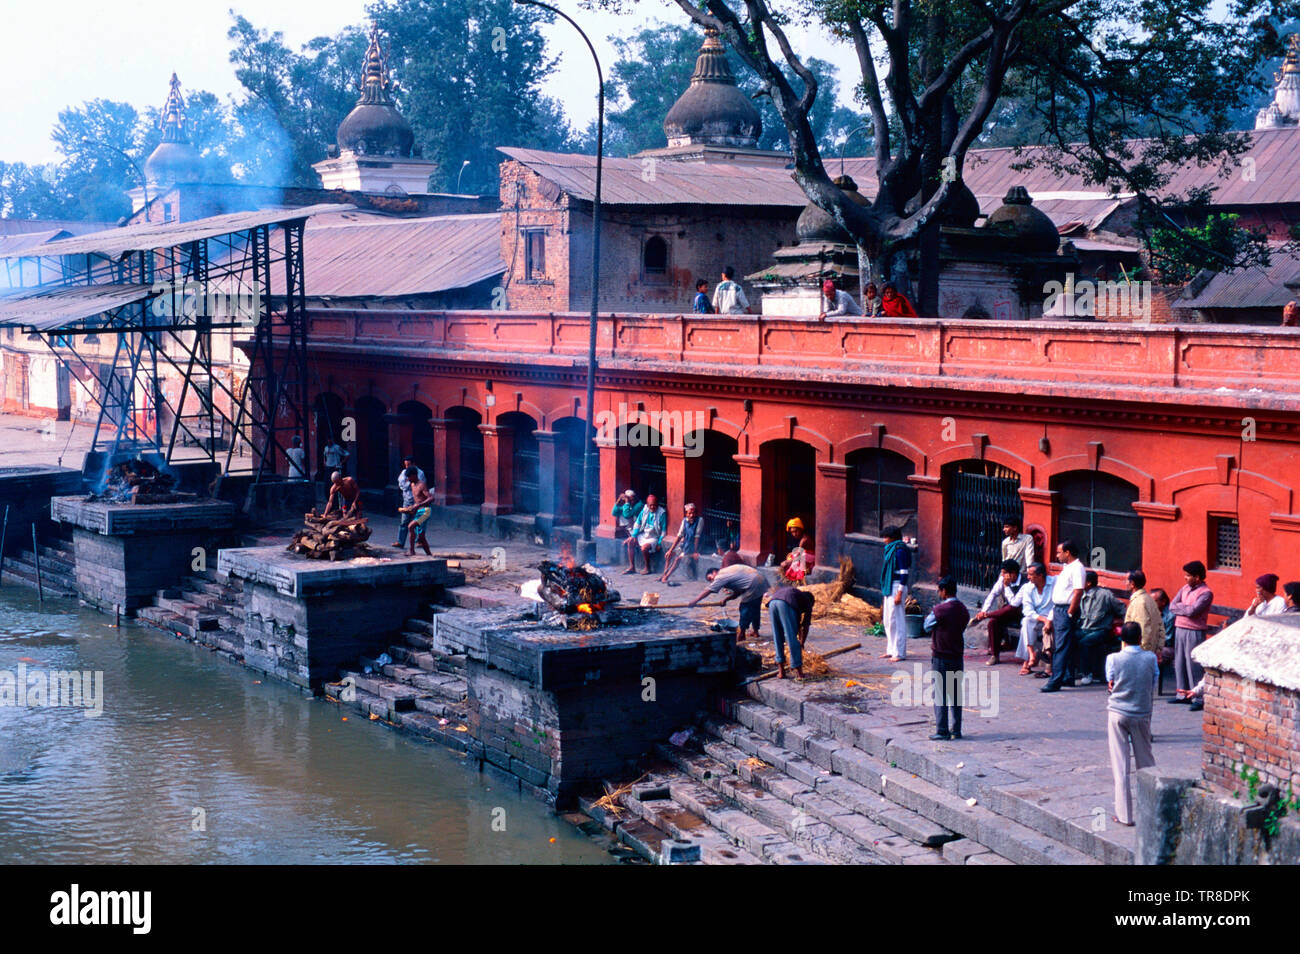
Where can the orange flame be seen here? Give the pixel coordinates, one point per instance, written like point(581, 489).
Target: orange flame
point(590, 608)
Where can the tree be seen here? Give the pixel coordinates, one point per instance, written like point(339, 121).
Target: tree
point(469, 76)
point(1097, 73)
point(654, 67)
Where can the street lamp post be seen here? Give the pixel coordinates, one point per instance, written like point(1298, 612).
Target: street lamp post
point(463, 166)
point(588, 452)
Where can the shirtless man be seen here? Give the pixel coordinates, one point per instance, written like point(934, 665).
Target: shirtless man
point(420, 511)
point(346, 493)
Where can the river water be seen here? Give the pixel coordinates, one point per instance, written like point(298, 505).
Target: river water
point(193, 760)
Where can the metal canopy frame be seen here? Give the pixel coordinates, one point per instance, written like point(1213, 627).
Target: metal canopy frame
point(271, 406)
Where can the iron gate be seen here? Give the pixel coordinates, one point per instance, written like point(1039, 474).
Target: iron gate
point(980, 497)
point(471, 462)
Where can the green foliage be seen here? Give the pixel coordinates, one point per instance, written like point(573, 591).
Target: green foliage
point(654, 68)
point(1288, 801)
point(1218, 244)
point(469, 75)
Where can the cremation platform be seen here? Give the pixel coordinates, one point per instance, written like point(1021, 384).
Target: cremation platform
point(126, 552)
point(304, 619)
point(563, 710)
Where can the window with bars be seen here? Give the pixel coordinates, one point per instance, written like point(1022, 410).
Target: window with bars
point(882, 495)
point(1225, 537)
point(1096, 512)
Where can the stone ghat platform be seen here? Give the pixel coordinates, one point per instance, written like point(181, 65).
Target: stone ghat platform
point(124, 552)
point(563, 710)
point(301, 620)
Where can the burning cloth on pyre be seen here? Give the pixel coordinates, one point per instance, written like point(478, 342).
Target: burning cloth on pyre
point(331, 537)
point(138, 481)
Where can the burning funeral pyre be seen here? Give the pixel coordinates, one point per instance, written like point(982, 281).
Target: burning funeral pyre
point(331, 537)
point(138, 481)
point(579, 595)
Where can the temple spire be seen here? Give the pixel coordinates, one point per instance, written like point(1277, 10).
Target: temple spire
point(172, 121)
point(374, 74)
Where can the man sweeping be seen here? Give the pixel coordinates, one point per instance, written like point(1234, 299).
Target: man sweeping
point(419, 509)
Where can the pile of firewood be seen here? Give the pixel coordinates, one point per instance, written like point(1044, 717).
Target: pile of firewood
point(331, 537)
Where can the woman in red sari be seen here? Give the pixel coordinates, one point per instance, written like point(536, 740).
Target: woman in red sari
point(893, 304)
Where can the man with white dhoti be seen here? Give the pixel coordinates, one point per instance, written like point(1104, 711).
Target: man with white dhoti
point(1035, 602)
point(893, 593)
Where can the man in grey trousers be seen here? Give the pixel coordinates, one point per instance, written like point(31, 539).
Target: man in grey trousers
point(1131, 675)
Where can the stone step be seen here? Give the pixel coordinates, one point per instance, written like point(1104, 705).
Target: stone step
point(429, 726)
point(735, 744)
point(25, 574)
point(679, 823)
point(783, 802)
point(55, 566)
point(899, 772)
point(63, 554)
point(963, 851)
point(400, 697)
point(771, 844)
point(418, 641)
point(420, 626)
point(992, 779)
point(477, 597)
point(439, 708)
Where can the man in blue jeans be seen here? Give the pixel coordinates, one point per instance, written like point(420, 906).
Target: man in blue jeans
point(791, 611)
point(1067, 593)
point(946, 625)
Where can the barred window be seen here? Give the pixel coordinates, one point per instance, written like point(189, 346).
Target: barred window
point(1225, 535)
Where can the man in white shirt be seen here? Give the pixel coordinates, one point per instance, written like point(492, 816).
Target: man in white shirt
point(297, 461)
point(1016, 545)
point(334, 456)
point(1035, 601)
point(729, 298)
point(1267, 602)
point(1067, 593)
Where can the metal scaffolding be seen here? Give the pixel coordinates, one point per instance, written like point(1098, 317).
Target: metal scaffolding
point(164, 292)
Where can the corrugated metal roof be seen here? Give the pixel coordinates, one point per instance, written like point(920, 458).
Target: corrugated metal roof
point(12, 245)
point(362, 255)
point(147, 236)
point(53, 307)
point(1250, 287)
point(666, 182)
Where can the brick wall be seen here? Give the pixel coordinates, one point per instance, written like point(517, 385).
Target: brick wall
point(701, 240)
point(1250, 722)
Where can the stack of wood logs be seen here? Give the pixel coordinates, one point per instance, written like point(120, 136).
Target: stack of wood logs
point(331, 537)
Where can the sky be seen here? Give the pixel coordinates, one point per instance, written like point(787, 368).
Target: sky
point(58, 53)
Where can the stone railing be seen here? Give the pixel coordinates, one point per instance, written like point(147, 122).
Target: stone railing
point(1205, 358)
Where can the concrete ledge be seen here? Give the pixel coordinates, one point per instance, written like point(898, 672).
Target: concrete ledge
point(126, 519)
point(298, 576)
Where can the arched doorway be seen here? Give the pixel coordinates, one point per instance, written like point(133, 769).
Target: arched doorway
point(463, 428)
point(327, 410)
point(978, 496)
point(647, 471)
point(372, 443)
point(713, 484)
point(789, 469)
point(1095, 510)
point(569, 448)
point(417, 435)
point(525, 464)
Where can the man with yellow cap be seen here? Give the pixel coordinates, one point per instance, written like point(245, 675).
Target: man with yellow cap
point(799, 558)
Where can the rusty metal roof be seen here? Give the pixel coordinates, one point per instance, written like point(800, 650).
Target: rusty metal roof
point(361, 255)
point(147, 236)
point(651, 181)
point(1250, 287)
point(11, 245)
point(53, 307)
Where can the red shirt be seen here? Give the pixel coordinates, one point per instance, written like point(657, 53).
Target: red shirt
point(897, 306)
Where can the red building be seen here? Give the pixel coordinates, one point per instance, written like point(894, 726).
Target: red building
point(1149, 445)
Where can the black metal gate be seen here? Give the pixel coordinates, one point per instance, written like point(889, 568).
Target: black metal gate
point(980, 496)
point(471, 462)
